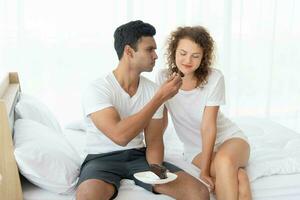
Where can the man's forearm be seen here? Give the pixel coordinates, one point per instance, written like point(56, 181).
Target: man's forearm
point(131, 126)
point(155, 154)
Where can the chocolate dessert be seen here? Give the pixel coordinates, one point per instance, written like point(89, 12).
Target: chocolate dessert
point(159, 170)
point(181, 74)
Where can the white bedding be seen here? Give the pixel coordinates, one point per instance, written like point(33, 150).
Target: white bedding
point(268, 188)
point(278, 187)
point(274, 166)
point(274, 148)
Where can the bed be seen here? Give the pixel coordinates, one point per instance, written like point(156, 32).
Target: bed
point(274, 165)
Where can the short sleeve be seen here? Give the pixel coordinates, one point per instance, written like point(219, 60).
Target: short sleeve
point(216, 95)
point(95, 98)
point(161, 77)
point(160, 111)
point(158, 81)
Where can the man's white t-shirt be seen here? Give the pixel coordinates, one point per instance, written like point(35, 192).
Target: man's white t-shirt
point(186, 109)
point(107, 92)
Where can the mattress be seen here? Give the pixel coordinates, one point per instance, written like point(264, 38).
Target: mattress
point(270, 183)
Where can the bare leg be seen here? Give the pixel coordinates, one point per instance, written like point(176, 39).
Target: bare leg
point(94, 189)
point(231, 156)
point(244, 185)
point(184, 187)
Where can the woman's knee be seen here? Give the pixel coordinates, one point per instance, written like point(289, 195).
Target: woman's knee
point(224, 161)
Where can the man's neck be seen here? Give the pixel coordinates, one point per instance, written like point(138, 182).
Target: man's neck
point(127, 78)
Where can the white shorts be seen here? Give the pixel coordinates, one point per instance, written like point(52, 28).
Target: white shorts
point(219, 141)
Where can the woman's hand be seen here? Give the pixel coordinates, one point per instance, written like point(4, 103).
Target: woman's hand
point(208, 180)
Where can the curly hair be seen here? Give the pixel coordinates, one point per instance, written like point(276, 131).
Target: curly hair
point(200, 36)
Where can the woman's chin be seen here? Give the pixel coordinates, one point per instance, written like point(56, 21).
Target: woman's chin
point(186, 72)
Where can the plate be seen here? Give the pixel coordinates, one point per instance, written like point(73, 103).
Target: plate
point(151, 178)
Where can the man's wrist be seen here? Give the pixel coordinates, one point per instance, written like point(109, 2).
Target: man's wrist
point(155, 163)
point(158, 98)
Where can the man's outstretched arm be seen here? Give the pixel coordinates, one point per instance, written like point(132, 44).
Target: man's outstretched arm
point(122, 131)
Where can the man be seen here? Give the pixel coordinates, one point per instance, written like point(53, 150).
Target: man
point(123, 108)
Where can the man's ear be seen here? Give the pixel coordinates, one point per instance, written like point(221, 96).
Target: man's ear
point(128, 51)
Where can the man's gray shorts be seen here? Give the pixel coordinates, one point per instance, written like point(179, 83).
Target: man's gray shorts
point(113, 166)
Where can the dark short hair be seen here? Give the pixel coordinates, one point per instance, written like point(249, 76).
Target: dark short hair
point(130, 33)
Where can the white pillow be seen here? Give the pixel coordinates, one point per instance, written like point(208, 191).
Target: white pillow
point(45, 158)
point(31, 108)
point(78, 125)
point(77, 139)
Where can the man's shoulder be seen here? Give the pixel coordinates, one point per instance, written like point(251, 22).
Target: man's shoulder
point(99, 86)
point(163, 71)
point(147, 82)
point(101, 82)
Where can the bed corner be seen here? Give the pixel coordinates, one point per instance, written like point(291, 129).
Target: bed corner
point(10, 185)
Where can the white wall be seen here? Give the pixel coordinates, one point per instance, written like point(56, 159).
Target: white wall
point(58, 46)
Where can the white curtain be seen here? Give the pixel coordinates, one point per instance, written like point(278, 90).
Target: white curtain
point(59, 46)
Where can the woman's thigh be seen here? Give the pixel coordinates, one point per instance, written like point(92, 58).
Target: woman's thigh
point(235, 149)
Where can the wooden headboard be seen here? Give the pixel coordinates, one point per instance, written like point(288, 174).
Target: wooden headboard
point(10, 185)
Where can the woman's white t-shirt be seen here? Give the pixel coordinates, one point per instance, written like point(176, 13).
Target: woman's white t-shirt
point(107, 92)
point(186, 109)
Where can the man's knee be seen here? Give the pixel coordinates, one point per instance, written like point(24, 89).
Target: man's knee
point(94, 189)
point(203, 191)
point(184, 187)
point(195, 189)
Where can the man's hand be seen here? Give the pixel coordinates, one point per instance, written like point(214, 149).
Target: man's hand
point(170, 87)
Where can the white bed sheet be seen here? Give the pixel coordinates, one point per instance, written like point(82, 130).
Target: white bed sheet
point(127, 191)
point(275, 187)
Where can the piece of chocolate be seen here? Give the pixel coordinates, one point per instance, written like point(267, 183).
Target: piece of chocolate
point(181, 74)
point(159, 170)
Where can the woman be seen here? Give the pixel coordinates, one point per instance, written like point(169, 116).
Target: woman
point(211, 141)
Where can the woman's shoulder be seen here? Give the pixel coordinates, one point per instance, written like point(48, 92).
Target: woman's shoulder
point(216, 73)
point(214, 77)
